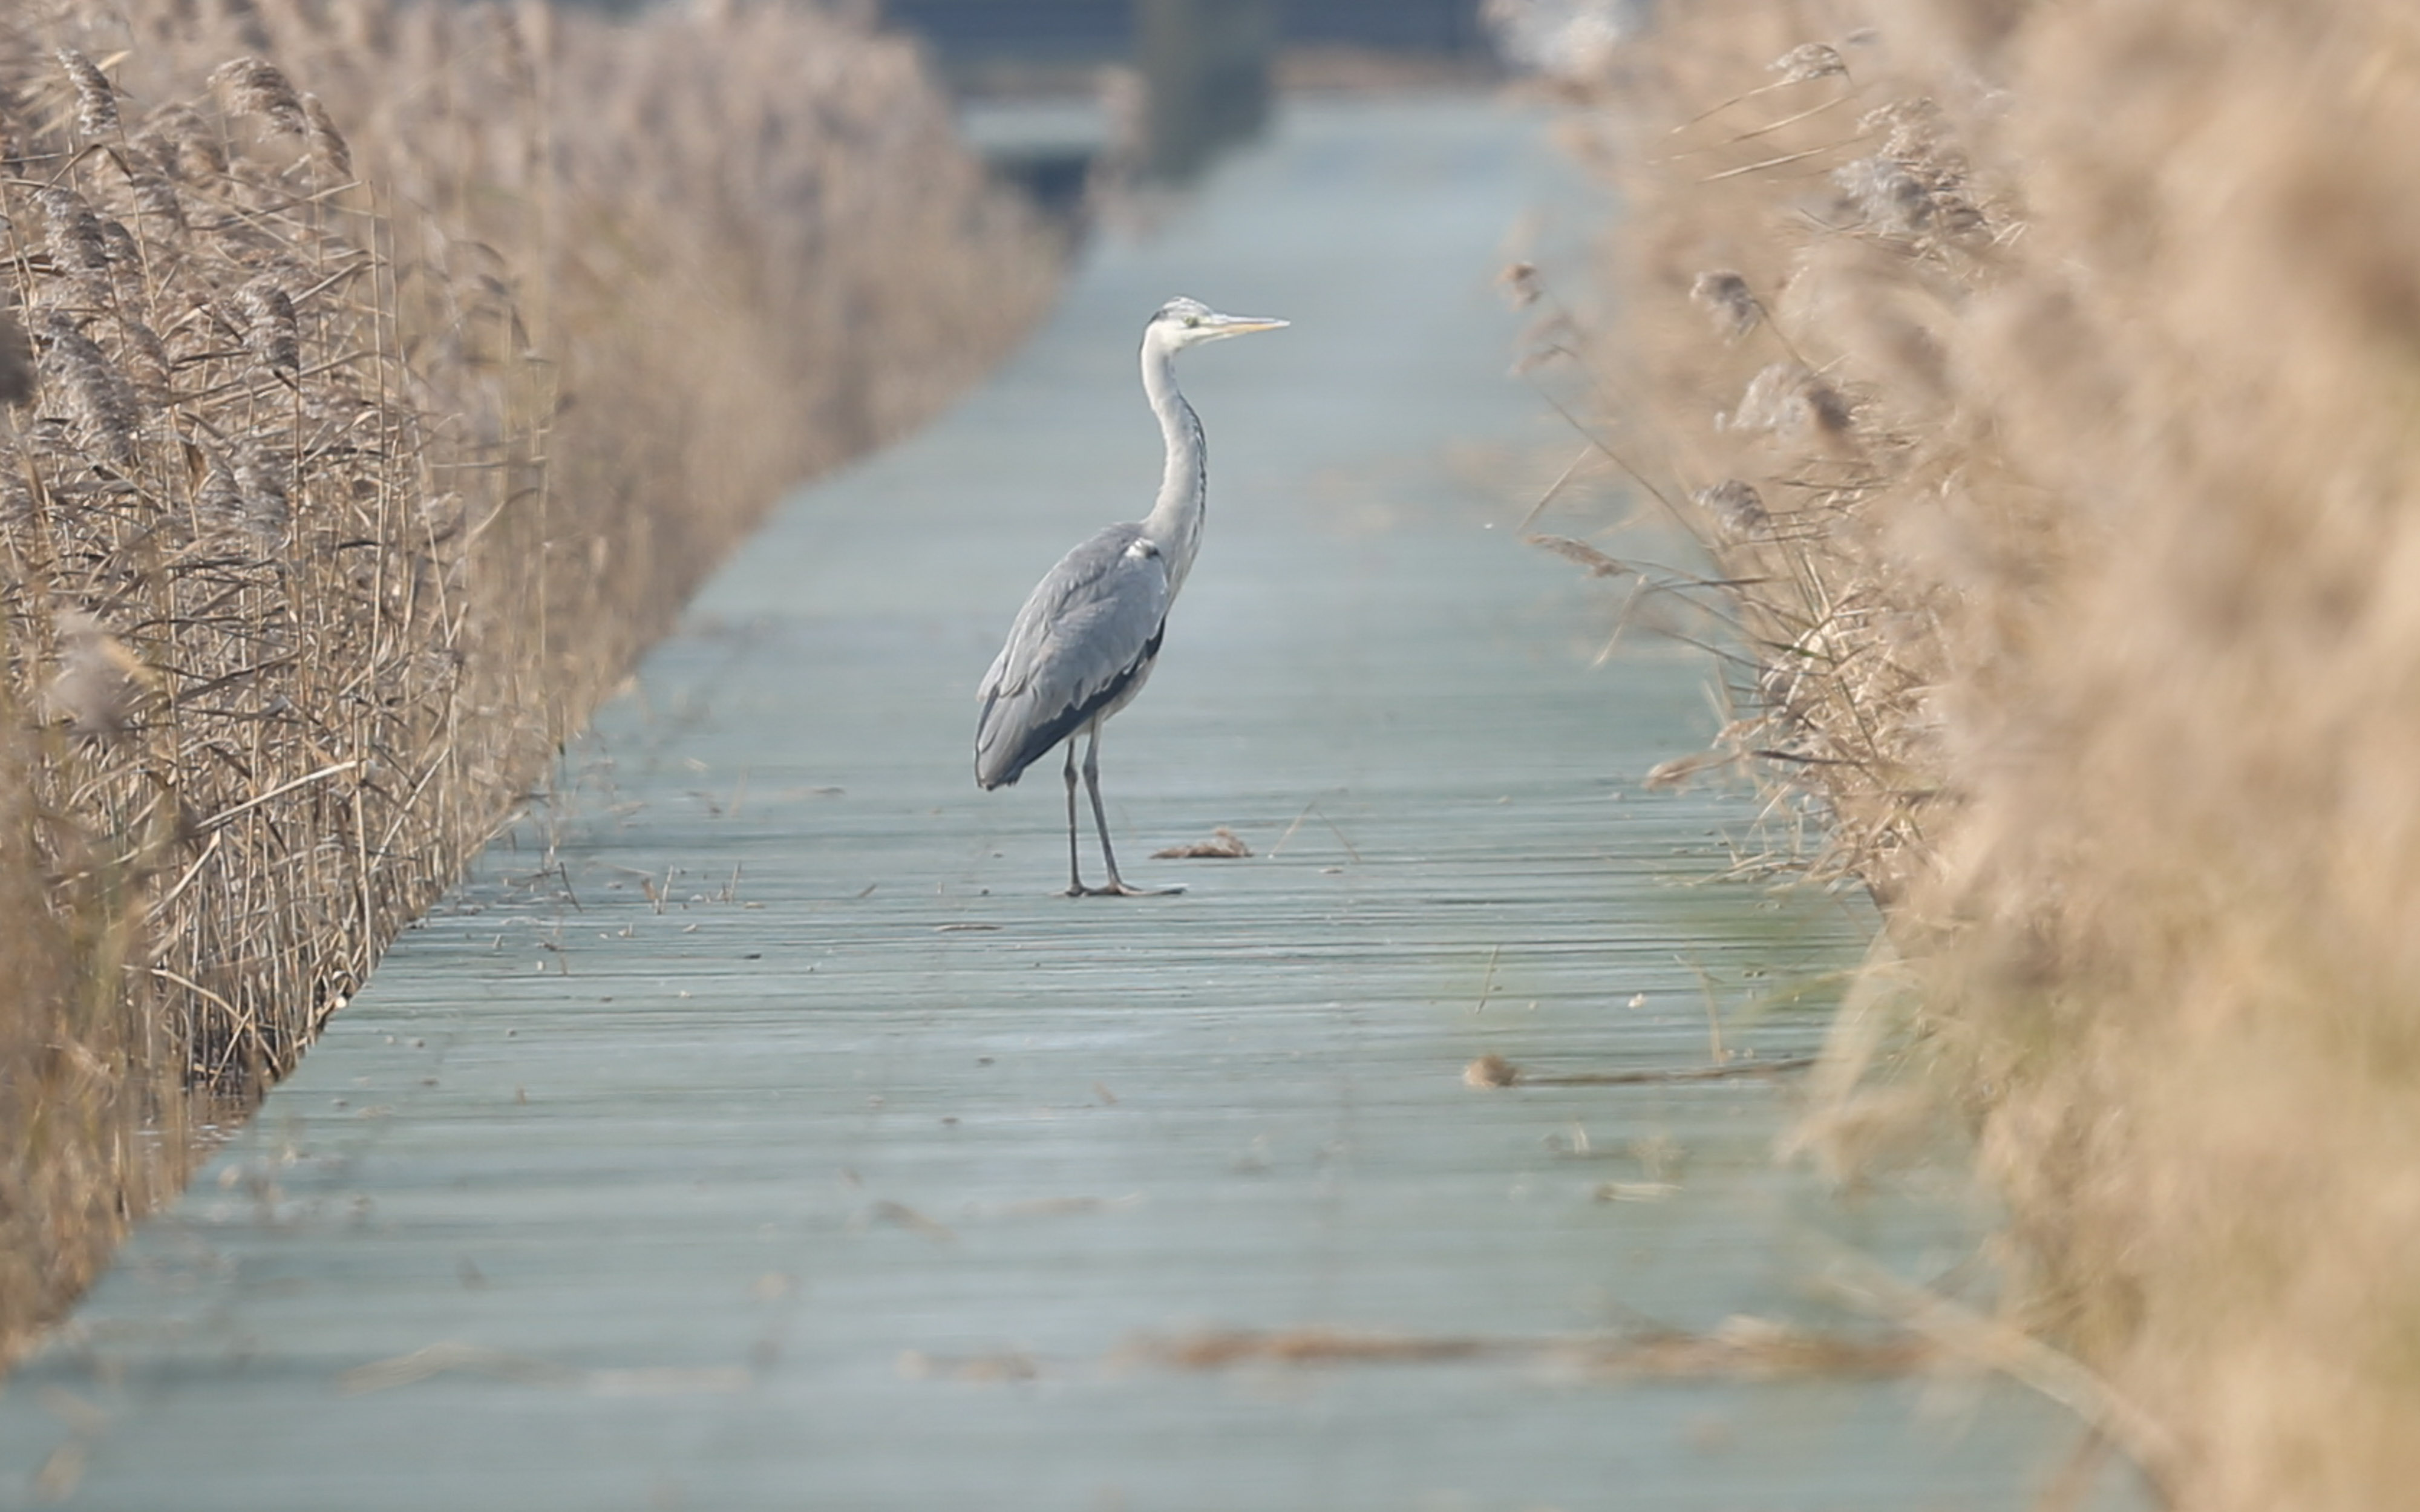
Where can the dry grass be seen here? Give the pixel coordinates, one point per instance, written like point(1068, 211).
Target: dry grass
point(2069, 353)
point(397, 371)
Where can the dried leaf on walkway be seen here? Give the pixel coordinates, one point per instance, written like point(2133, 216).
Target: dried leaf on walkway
point(1490, 1071)
point(1223, 845)
point(1636, 1191)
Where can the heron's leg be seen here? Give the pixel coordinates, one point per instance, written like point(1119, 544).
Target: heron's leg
point(1075, 871)
point(1101, 821)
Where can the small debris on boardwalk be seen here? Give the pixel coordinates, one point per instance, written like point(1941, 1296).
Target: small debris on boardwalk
point(1223, 845)
point(979, 1369)
point(899, 1215)
point(1060, 1206)
point(1216, 1348)
point(497, 1365)
point(1496, 1071)
point(1742, 1348)
point(1636, 1190)
point(1490, 1071)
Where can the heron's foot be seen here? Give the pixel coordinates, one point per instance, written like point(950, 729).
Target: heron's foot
point(1123, 889)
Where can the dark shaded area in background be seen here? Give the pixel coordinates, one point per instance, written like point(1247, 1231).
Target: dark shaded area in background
point(1206, 64)
point(1205, 68)
point(1099, 30)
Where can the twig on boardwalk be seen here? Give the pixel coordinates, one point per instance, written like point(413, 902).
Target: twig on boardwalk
point(527, 1370)
point(1494, 1071)
point(1750, 1348)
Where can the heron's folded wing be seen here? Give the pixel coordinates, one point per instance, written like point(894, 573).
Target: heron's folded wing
point(1089, 626)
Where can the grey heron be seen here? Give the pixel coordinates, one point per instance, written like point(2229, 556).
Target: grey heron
point(1090, 633)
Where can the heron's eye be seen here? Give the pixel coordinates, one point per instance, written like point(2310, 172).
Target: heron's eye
point(1193, 319)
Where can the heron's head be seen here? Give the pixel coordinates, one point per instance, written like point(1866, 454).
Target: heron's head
point(1188, 322)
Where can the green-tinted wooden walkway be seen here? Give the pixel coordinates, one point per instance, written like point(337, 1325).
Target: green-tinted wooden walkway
point(790, 1146)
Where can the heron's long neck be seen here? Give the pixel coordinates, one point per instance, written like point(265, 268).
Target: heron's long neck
point(1174, 523)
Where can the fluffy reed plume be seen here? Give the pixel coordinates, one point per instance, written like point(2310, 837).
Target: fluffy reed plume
point(1736, 508)
point(93, 392)
point(270, 331)
point(1725, 295)
point(2087, 614)
point(256, 86)
point(1807, 62)
point(364, 438)
point(73, 233)
point(100, 681)
point(326, 140)
point(95, 101)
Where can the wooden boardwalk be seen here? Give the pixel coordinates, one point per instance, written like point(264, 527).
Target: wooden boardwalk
point(756, 1130)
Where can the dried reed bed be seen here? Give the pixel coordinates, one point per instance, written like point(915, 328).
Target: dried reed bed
point(2041, 379)
point(394, 373)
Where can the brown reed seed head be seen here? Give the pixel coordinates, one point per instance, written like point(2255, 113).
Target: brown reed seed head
point(1790, 402)
point(218, 499)
point(1736, 508)
point(95, 101)
point(1726, 296)
point(264, 481)
point(73, 233)
point(271, 332)
point(326, 141)
point(256, 86)
point(1881, 192)
point(1807, 62)
point(99, 397)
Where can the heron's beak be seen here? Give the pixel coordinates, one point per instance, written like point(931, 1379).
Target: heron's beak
point(1244, 325)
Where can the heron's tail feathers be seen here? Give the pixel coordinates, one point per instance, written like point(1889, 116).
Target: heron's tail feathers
point(1007, 741)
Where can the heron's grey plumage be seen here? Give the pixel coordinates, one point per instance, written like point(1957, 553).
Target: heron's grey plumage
point(1090, 633)
point(1079, 650)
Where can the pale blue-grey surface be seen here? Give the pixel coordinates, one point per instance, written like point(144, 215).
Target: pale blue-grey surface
point(757, 1130)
